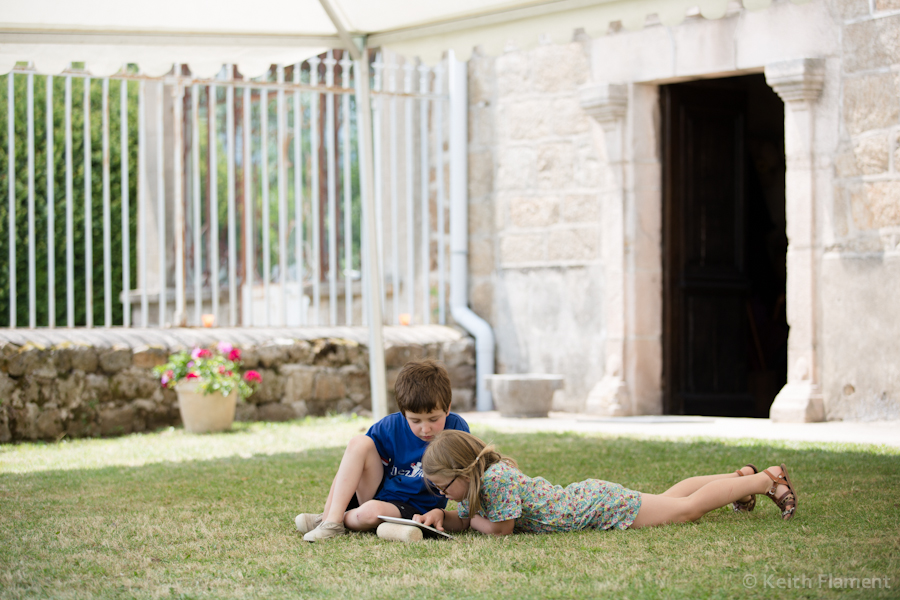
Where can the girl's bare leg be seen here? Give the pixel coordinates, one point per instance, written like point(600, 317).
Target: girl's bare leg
point(690, 485)
point(719, 492)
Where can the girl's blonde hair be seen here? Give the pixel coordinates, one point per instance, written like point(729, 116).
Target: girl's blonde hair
point(455, 453)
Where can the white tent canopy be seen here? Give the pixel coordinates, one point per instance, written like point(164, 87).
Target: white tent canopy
point(205, 34)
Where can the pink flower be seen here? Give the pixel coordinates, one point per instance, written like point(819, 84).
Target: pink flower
point(252, 377)
point(195, 353)
point(166, 377)
point(191, 375)
point(204, 353)
point(225, 348)
point(221, 370)
point(235, 354)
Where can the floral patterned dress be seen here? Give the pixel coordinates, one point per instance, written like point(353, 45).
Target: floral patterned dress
point(538, 506)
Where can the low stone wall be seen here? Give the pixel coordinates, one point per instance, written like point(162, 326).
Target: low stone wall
point(82, 383)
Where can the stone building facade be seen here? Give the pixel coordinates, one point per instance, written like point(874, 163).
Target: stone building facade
point(566, 200)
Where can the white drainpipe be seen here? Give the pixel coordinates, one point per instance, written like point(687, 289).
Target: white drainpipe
point(459, 238)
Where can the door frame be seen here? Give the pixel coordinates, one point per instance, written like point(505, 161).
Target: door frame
point(628, 133)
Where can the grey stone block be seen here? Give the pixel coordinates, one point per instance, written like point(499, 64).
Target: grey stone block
point(275, 411)
point(115, 359)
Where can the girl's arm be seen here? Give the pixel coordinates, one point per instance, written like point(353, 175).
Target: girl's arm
point(443, 520)
point(481, 524)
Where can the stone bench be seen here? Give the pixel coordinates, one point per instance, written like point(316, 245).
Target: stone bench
point(99, 382)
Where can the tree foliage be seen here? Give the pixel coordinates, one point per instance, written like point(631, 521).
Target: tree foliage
point(80, 237)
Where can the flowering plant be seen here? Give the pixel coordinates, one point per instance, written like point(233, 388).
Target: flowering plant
point(215, 369)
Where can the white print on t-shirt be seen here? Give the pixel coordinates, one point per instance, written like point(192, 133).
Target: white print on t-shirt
point(414, 471)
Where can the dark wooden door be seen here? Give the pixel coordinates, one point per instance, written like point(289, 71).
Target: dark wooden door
point(706, 285)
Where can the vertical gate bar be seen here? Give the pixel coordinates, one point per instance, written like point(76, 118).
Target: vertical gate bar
point(143, 212)
point(196, 204)
point(314, 189)
point(180, 319)
point(70, 217)
point(161, 203)
point(51, 202)
point(360, 72)
point(249, 203)
point(377, 156)
point(126, 202)
point(298, 192)
point(423, 185)
point(232, 212)
point(32, 267)
point(266, 244)
point(107, 236)
point(212, 107)
point(439, 184)
point(11, 180)
point(331, 219)
point(282, 196)
point(348, 191)
point(410, 193)
point(363, 224)
point(88, 210)
point(395, 215)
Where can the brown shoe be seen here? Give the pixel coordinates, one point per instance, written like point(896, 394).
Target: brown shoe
point(787, 502)
point(745, 507)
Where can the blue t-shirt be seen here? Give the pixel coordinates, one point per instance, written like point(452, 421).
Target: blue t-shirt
point(401, 454)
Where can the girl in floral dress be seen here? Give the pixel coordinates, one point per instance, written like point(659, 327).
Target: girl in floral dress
point(494, 497)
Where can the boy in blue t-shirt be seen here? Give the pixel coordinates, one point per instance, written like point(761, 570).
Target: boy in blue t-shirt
point(381, 471)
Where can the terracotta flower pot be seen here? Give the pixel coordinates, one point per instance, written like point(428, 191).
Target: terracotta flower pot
point(205, 413)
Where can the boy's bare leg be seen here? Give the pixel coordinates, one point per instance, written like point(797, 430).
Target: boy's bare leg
point(365, 517)
point(360, 473)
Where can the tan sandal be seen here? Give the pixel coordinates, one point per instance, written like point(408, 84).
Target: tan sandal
point(745, 507)
point(787, 502)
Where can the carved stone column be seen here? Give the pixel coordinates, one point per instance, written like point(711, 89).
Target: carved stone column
point(799, 83)
point(608, 105)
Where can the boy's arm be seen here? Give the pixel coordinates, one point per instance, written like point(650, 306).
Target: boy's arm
point(443, 520)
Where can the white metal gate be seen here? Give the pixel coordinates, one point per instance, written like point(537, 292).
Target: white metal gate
point(237, 200)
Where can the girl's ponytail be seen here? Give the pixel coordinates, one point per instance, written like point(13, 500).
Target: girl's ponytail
point(455, 453)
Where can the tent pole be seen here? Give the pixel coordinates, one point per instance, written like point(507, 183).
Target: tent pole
point(371, 268)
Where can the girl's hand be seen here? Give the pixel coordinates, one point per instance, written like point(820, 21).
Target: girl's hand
point(433, 518)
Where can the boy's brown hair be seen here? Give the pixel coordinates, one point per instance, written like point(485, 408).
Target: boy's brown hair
point(423, 386)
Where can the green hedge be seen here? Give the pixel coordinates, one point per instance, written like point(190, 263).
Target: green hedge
point(59, 198)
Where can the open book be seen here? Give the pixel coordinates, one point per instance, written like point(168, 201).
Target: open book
point(427, 530)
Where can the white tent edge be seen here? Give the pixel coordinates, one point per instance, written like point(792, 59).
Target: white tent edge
point(524, 26)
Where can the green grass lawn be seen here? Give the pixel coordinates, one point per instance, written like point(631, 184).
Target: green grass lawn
point(169, 514)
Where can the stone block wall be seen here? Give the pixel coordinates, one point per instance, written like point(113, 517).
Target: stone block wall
point(100, 382)
point(860, 270)
point(535, 217)
point(866, 211)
